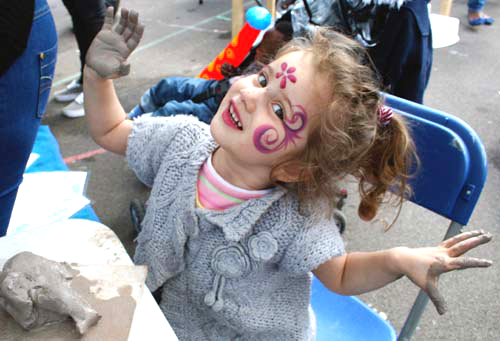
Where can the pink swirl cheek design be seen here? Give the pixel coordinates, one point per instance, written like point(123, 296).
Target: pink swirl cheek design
point(266, 136)
point(286, 73)
point(265, 139)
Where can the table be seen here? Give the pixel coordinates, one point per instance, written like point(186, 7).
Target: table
point(238, 14)
point(88, 242)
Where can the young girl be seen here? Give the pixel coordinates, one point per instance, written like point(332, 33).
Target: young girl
point(238, 216)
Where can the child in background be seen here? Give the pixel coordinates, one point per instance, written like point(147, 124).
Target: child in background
point(238, 216)
point(201, 97)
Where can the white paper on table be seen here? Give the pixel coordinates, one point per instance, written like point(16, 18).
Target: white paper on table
point(33, 157)
point(47, 197)
point(56, 183)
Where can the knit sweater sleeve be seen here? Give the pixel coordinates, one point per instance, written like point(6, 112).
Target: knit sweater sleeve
point(158, 149)
point(313, 245)
point(151, 141)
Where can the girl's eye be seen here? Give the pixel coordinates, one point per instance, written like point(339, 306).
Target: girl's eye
point(278, 110)
point(261, 78)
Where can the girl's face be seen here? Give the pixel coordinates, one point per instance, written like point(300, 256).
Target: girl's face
point(265, 118)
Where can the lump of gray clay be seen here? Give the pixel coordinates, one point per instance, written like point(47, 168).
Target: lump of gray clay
point(36, 291)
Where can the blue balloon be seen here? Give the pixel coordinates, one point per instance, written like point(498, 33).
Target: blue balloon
point(258, 17)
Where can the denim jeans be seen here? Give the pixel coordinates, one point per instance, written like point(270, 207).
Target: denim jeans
point(173, 96)
point(24, 92)
point(475, 5)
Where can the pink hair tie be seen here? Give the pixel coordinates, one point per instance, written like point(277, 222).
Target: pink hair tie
point(385, 115)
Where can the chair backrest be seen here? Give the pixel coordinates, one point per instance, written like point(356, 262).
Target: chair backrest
point(451, 176)
point(449, 181)
point(453, 166)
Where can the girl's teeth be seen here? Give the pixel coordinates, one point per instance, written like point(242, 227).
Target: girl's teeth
point(234, 117)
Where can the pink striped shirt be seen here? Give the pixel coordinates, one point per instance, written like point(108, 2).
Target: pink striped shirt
point(215, 193)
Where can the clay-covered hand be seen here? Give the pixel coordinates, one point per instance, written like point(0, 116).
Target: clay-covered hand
point(108, 53)
point(424, 265)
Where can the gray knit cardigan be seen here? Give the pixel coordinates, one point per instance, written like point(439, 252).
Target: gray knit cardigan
point(243, 273)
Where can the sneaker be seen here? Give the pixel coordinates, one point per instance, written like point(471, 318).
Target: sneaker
point(75, 108)
point(71, 92)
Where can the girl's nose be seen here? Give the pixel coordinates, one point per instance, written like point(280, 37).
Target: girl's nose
point(250, 98)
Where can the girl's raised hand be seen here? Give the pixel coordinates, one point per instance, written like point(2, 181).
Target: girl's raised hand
point(423, 266)
point(108, 53)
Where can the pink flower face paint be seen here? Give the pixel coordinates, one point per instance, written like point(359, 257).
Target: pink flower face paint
point(286, 73)
point(266, 137)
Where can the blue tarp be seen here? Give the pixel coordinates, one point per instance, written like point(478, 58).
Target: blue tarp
point(51, 160)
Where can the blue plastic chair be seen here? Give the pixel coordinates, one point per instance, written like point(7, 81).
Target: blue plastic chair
point(450, 179)
point(346, 318)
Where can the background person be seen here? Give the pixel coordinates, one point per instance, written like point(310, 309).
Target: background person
point(87, 17)
point(27, 62)
point(403, 54)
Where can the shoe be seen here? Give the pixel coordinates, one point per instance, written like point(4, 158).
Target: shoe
point(482, 20)
point(137, 212)
point(75, 109)
point(488, 20)
point(476, 21)
point(71, 92)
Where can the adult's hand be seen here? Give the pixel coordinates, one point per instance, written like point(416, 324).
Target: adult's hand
point(424, 265)
point(108, 53)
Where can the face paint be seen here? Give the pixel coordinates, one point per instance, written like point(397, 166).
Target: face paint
point(286, 73)
point(265, 137)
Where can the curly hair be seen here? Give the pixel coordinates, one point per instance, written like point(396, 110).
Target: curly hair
point(346, 138)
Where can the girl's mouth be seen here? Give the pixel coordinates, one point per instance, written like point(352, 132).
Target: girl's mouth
point(231, 116)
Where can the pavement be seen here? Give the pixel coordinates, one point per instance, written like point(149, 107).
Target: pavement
point(182, 37)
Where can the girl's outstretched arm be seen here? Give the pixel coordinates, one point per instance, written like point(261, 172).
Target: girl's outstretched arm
point(107, 59)
point(360, 272)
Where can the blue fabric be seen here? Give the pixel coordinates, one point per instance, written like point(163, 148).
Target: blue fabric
point(50, 156)
point(51, 160)
point(403, 55)
point(475, 5)
point(174, 95)
point(24, 92)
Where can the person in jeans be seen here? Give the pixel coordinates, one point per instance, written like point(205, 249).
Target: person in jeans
point(87, 17)
point(476, 15)
point(177, 95)
point(27, 62)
